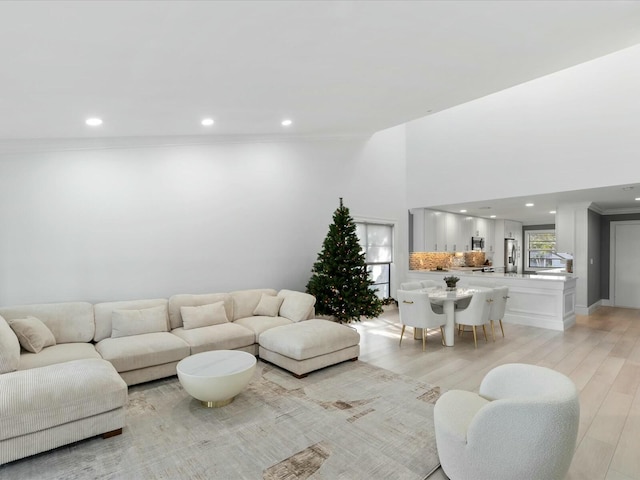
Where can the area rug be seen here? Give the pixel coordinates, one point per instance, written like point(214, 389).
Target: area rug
point(350, 421)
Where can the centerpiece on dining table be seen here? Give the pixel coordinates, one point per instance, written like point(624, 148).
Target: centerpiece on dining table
point(451, 282)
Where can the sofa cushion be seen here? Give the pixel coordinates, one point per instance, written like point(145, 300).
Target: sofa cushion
point(203, 315)
point(246, 301)
point(32, 334)
point(125, 323)
point(269, 306)
point(41, 398)
point(226, 336)
point(60, 353)
point(258, 324)
point(70, 322)
point(9, 348)
point(103, 312)
point(297, 306)
point(190, 300)
point(144, 350)
point(309, 339)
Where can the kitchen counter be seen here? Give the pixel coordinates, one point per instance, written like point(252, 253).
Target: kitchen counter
point(472, 271)
point(546, 301)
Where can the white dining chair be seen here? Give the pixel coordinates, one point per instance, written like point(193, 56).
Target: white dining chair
point(416, 311)
point(410, 286)
point(429, 283)
point(498, 307)
point(477, 313)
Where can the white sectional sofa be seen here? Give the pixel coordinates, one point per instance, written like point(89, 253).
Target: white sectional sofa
point(81, 380)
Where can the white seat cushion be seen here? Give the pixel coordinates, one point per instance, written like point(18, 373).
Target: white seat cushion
point(309, 339)
point(225, 336)
point(140, 351)
point(64, 352)
point(42, 398)
point(259, 324)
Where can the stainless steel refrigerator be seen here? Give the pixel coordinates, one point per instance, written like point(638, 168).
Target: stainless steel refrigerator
point(510, 255)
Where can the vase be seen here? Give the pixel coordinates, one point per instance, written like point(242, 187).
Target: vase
point(451, 288)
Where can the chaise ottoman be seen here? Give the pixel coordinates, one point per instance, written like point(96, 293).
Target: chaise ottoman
point(47, 407)
point(309, 345)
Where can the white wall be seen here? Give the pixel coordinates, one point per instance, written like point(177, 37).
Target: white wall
point(570, 130)
point(124, 223)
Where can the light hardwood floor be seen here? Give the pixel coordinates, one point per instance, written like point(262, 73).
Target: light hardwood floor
point(601, 354)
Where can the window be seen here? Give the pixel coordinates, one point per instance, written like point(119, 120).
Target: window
point(376, 241)
point(540, 250)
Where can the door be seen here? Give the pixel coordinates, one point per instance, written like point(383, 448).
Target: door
point(626, 281)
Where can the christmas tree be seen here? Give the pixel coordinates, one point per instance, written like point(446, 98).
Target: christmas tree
point(340, 281)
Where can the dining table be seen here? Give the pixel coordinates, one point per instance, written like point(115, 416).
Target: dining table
point(448, 298)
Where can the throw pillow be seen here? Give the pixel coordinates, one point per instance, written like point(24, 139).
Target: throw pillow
point(32, 334)
point(203, 315)
point(125, 323)
point(269, 306)
point(9, 348)
point(296, 305)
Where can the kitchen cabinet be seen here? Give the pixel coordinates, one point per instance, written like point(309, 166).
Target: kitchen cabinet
point(480, 227)
point(565, 228)
point(430, 228)
point(418, 230)
point(453, 232)
point(490, 239)
point(467, 231)
point(435, 231)
point(441, 231)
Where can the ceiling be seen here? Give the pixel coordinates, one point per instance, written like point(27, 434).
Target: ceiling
point(612, 200)
point(157, 68)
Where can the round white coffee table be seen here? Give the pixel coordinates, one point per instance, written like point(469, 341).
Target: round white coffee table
point(216, 377)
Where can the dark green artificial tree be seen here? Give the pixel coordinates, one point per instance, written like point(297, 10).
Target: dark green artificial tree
point(340, 281)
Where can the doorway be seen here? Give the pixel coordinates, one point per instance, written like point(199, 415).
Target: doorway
point(625, 263)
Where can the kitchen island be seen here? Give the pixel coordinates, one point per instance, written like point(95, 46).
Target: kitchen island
point(546, 301)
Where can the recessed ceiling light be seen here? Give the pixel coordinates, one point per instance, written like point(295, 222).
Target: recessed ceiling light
point(463, 211)
point(286, 122)
point(207, 122)
point(638, 199)
point(528, 205)
point(93, 122)
point(552, 211)
point(492, 216)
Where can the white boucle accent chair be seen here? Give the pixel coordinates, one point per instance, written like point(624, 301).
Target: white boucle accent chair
point(522, 424)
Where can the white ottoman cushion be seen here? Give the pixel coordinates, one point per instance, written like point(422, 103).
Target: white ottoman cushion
point(309, 339)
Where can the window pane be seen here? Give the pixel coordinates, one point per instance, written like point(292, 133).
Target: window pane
point(541, 247)
point(376, 241)
point(361, 231)
point(379, 273)
point(378, 235)
point(382, 290)
point(379, 255)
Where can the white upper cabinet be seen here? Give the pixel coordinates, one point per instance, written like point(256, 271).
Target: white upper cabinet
point(490, 238)
point(466, 233)
point(480, 227)
point(435, 231)
point(441, 231)
point(430, 228)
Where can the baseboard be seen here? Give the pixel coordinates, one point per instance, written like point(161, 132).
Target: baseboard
point(582, 310)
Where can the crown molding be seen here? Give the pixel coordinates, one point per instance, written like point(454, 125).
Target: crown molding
point(43, 145)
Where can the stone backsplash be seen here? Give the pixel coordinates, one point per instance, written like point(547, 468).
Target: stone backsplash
point(432, 260)
point(474, 259)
